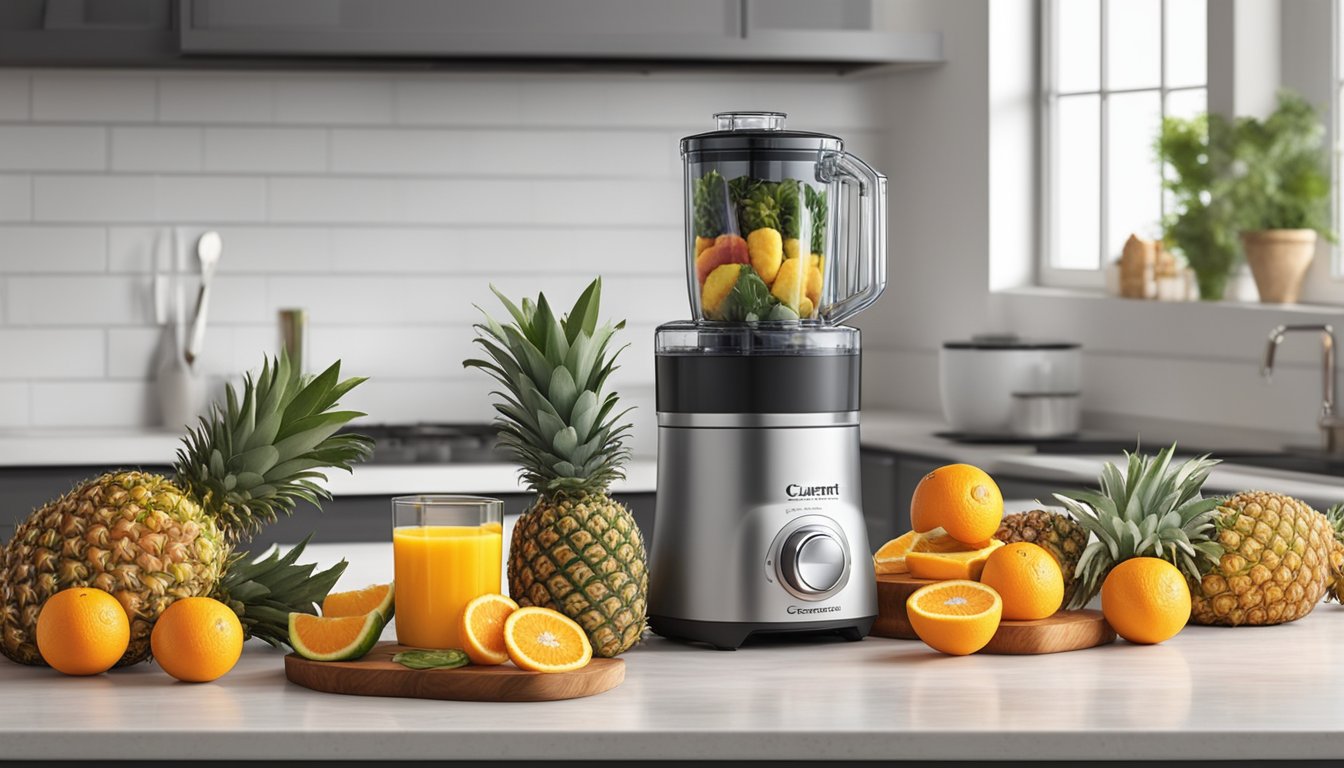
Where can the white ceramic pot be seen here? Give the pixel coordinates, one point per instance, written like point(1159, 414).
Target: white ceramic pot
point(979, 378)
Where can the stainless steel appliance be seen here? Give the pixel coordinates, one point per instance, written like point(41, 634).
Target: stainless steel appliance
point(1007, 386)
point(758, 524)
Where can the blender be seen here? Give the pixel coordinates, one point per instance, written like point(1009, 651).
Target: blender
point(759, 526)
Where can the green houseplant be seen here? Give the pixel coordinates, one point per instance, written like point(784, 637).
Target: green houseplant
point(1198, 225)
point(1279, 191)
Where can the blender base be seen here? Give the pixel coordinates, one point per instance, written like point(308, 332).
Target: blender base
point(729, 635)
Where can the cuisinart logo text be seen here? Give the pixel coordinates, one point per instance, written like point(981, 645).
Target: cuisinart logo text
point(798, 609)
point(796, 491)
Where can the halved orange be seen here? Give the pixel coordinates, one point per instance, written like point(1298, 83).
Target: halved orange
point(955, 617)
point(939, 540)
point(482, 629)
point(379, 597)
point(950, 565)
point(890, 557)
point(334, 639)
point(544, 640)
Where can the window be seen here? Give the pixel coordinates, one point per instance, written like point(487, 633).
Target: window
point(1112, 69)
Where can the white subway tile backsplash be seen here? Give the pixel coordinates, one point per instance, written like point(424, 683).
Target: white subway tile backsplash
point(408, 201)
point(16, 197)
point(14, 410)
point(92, 404)
point(210, 198)
point(236, 300)
point(93, 97)
point(266, 150)
point(332, 101)
point(78, 300)
point(52, 147)
point(14, 96)
point(156, 149)
point(492, 250)
point(211, 99)
point(53, 353)
point(53, 249)
point(135, 353)
point(275, 249)
point(410, 352)
point(504, 153)
point(399, 401)
point(94, 198)
point(460, 101)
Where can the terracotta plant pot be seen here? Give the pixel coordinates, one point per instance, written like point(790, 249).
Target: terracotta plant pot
point(1279, 259)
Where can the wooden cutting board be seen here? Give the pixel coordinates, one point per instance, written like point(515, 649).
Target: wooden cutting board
point(1065, 631)
point(377, 675)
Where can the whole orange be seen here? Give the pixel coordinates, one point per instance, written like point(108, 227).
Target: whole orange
point(959, 498)
point(1028, 579)
point(1145, 600)
point(82, 631)
point(197, 639)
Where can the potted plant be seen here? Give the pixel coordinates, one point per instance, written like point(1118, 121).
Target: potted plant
point(1198, 225)
point(1278, 186)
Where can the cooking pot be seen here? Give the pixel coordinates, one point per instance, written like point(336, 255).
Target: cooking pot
point(985, 381)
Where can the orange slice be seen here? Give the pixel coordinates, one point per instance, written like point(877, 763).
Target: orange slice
point(482, 629)
point(890, 557)
point(334, 639)
point(378, 598)
point(543, 640)
point(949, 565)
point(955, 617)
point(939, 540)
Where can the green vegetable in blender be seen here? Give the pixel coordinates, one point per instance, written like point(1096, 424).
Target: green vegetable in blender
point(711, 205)
point(760, 209)
point(750, 299)
point(787, 198)
point(816, 206)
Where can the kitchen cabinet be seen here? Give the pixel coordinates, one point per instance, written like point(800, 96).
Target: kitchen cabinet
point(842, 34)
point(350, 518)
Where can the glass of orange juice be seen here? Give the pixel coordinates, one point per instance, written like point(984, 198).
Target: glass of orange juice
point(446, 550)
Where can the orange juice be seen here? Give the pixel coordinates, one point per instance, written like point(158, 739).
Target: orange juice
point(439, 569)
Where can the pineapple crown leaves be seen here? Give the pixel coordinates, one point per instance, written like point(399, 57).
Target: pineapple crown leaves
point(1149, 510)
point(264, 591)
point(553, 417)
point(255, 458)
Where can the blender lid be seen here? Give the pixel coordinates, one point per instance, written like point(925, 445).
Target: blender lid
point(757, 131)
point(687, 337)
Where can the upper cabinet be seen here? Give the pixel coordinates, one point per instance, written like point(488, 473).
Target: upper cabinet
point(844, 34)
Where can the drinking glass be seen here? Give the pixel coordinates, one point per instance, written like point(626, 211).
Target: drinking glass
point(446, 551)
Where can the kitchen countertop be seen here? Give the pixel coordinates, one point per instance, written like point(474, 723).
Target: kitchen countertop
point(1279, 695)
point(899, 431)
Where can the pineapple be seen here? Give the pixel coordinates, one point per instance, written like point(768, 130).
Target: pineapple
point(1151, 510)
point(575, 549)
point(149, 540)
point(1335, 516)
point(1271, 563)
point(1255, 558)
point(1060, 535)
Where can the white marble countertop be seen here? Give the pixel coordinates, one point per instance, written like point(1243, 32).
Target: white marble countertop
point(1209, 693)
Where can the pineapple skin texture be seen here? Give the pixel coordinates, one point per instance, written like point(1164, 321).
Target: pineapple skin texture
point(1059, 534)
point(584, 557)
point(1276, 564)
point(134, 535)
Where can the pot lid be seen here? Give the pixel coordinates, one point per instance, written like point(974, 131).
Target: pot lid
point(1008, 341)
point(757, 131)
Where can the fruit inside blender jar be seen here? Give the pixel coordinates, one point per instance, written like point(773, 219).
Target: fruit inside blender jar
point(758, 247)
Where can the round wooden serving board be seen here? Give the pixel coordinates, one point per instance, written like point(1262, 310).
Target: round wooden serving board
point(377, 675)
point(1065, 631)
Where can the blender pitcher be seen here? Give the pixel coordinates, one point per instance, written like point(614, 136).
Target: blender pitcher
point(772, 233)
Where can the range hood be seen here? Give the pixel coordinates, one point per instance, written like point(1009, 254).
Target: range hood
point(840, 34)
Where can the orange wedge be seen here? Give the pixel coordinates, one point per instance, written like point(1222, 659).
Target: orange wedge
point(955, 617)
point(939, 540)
point(949, 565)
point(890, 557)
point(543, 640)
point(482, 629)
point(360, 602)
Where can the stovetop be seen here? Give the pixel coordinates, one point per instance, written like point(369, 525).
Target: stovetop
point(431, 443)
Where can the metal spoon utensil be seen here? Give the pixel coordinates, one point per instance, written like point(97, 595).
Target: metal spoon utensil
point(208, 250)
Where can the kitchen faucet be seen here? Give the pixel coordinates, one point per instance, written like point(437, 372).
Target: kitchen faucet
point(1332, 427)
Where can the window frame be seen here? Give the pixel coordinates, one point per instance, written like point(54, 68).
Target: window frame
point(1047, 274)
